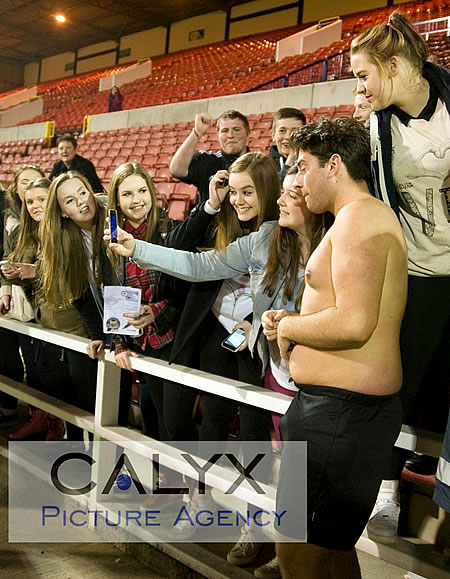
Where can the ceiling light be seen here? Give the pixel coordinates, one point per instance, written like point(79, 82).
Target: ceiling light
point(60, 18)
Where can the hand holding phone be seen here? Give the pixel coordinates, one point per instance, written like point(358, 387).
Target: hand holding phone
point(235, 340)
point(112, 214)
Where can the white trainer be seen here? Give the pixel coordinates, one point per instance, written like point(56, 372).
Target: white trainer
point(383, 524)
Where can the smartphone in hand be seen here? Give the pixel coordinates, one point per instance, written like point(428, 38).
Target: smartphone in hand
point(235, 340)
point(112, 214)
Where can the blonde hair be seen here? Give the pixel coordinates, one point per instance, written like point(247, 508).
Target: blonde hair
point(396, 37)
point(66, 269)
point(264, 174)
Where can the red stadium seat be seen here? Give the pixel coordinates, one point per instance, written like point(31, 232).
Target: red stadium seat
point(187, 189)
point(179, 206)
point(166, 189)
point(163, 174)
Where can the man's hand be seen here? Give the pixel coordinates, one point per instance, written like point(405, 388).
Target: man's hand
point(217, 191)
point(122, 359)
point(94, 348)
point(270, 321)
point(202, 123)
point(125, 245)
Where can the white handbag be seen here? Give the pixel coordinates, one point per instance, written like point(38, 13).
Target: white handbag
point(20, 308)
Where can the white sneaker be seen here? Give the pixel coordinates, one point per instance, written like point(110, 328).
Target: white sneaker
point(188, 526)
point(246, 549)
point(383, 524)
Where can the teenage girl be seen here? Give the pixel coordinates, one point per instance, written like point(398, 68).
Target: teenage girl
point(74, 269)
point(10, 360)
point(410, 149)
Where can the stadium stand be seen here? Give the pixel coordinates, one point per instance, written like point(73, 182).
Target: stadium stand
point(224, 68)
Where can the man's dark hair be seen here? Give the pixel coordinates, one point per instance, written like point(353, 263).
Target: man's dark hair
point(232, 114)
point(288, 113)
point(67, 137)
point(345, 137)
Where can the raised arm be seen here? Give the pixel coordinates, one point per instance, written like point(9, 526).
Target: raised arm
point(205, 266)
point(193, 231)
point(179, 165)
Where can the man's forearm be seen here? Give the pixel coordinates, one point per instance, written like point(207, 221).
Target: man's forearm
point(179, 165)
point(327, 329)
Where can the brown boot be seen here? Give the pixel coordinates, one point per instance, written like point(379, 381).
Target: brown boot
point(55, 428)
point(35, 423)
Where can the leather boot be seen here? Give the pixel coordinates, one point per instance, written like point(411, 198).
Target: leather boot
point(55, 428)
point(35, 423)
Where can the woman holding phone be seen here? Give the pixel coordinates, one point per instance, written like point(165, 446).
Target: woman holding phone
point(274, 255)
point(132, 202)
point(11, 364)
point(22, 270)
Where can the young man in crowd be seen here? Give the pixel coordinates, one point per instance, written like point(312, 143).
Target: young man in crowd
point(285, 120)
point(344, 355)
point(71, 161)
point(363, 108)
point(197, 167)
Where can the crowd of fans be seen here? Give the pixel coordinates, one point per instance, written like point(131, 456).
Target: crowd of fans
point(261, 219)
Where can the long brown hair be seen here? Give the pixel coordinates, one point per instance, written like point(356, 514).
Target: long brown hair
point(119, 175)
point(286, 254)
point(264, 174)
point(66, 270)
point(28, 244)
point(12, 196)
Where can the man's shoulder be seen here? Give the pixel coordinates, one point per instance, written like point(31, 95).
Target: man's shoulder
point(79, 160)
point(207, 156)
point(366, 217)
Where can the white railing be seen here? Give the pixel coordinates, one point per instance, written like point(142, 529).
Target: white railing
point(107, 403)
point(104, 423)
point(435, 26)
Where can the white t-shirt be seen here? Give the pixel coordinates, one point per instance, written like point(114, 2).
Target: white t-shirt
point(421, 171)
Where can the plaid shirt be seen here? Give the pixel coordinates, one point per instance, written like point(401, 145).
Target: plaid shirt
point(157, 334)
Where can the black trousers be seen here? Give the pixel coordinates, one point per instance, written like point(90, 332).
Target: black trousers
point(425, 347)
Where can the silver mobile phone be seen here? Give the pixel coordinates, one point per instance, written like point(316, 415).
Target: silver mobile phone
point(235, 340)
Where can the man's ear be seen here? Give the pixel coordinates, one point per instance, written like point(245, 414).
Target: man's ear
point(334, 165)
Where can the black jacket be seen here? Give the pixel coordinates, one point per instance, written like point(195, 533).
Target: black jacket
point(281, 166)
point(83, 166)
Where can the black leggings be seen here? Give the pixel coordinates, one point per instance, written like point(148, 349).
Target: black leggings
point(12, 344)
point(179, 400)
point(425, 347)
point(11, 364)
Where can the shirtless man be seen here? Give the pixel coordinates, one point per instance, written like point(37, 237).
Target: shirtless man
point(343, 351)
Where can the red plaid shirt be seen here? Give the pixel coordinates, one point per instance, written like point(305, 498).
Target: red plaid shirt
point(146, 280)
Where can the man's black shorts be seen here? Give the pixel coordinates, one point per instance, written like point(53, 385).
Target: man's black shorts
point(349, 438)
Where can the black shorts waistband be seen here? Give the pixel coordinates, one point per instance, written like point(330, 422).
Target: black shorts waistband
point(348, 395)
